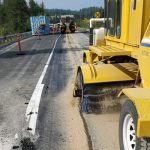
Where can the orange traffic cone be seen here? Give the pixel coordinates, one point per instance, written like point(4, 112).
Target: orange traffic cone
point(20, 52)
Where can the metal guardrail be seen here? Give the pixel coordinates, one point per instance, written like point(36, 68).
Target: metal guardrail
point(7, 40)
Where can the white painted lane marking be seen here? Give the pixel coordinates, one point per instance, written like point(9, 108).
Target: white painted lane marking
point(33, 106)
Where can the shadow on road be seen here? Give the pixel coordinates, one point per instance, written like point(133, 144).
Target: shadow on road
point(14, 54)
point(94, 106)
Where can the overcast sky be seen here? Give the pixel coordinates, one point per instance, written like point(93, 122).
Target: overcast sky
point(71, 4)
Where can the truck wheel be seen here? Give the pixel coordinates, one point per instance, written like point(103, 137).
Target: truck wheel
point(78, 89)
point(80, 83)
point(62, 32)
point(84, 101)
point(127, 129)
point(72, 31)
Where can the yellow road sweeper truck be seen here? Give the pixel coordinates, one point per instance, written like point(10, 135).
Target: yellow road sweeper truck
point(117, 67)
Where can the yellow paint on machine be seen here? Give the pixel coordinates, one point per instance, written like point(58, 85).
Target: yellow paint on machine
point(109, 51)
point(133, 42)
point(108, 72)
point(141, 99)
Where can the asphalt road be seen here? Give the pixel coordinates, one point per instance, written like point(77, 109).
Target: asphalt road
point(60, 126)
point(18, 77)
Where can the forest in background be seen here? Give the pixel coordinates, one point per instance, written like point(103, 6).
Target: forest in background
point(82, 16)
point(79, 14)
point(15, 15)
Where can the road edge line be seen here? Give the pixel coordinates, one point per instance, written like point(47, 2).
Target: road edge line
point(33, 106)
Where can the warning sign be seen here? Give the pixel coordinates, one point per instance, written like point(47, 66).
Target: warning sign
point(97, 15)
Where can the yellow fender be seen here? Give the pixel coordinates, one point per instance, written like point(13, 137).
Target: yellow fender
point(102, 73)
point(141, 99)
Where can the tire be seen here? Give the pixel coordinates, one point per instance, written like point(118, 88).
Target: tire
point(72, 31)
point(84, 101)
point(80, 84)
point(63, 29)
point(129, 117)
point(62, 32)
point(78, 89)
point(80, 80)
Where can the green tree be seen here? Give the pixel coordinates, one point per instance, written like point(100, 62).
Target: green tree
point(15, 15)
point(19, 13)
point(33, 8)
point(42, 7)
point(36, 9)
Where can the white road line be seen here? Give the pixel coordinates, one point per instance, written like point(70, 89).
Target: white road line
point(33, 106)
